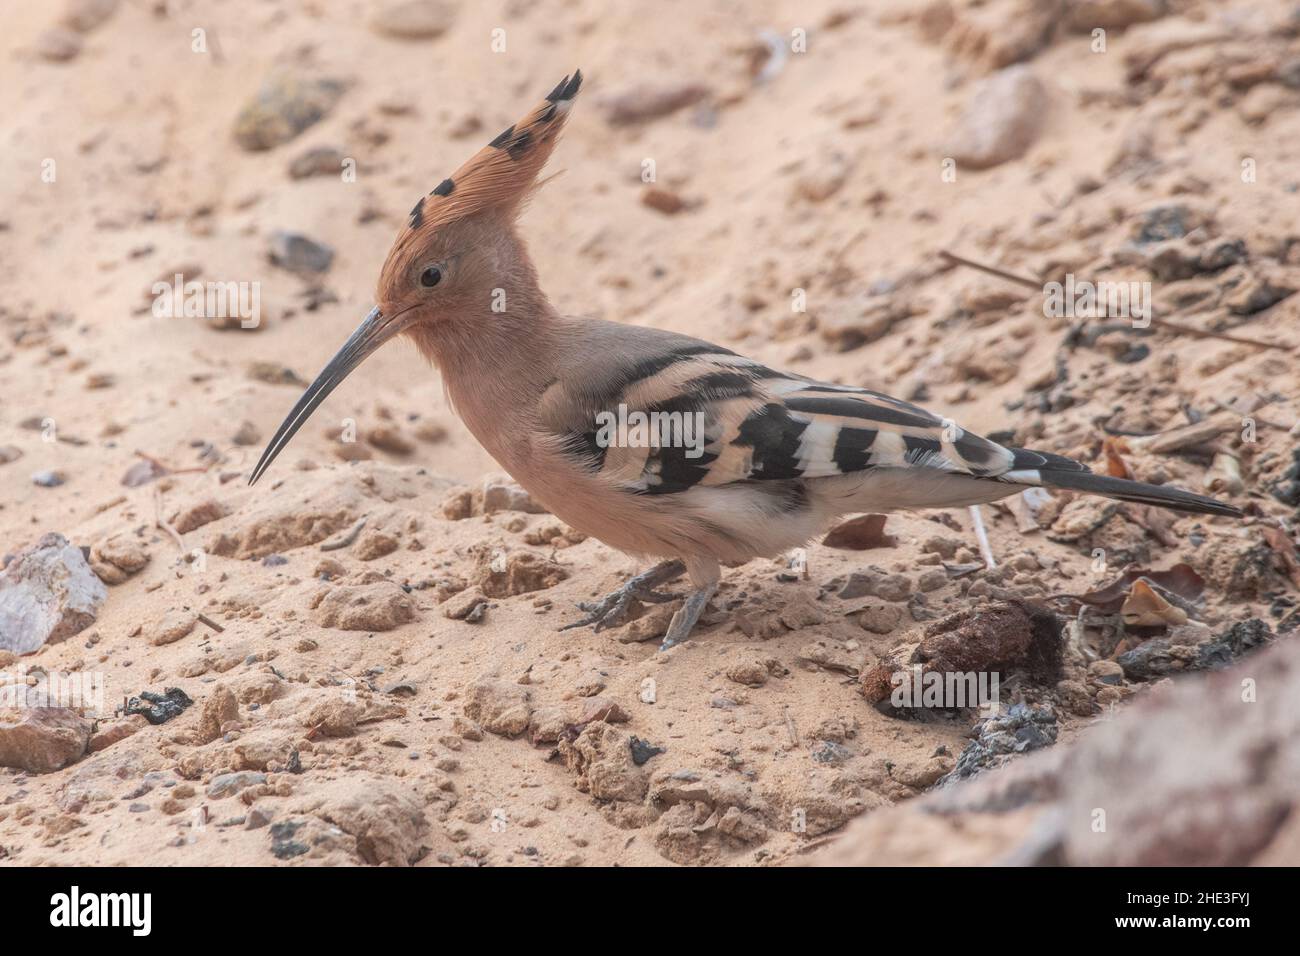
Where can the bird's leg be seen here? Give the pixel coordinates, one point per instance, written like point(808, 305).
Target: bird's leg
point(611, 610)
point(705, 576)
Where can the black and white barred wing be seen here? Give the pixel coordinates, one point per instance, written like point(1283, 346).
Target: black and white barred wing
point(703, 416)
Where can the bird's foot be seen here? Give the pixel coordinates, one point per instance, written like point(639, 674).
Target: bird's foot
point(683, 622)
point(612, 610)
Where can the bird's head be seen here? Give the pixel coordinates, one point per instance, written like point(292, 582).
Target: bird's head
point(456, 260)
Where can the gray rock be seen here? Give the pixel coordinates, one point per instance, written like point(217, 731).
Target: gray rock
point(297, 253)
point(48, 593)
point(229, 784)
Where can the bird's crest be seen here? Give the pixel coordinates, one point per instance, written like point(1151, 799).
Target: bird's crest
point(504, 171)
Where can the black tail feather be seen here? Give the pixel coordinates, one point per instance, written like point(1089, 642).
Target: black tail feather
point(1054, 471)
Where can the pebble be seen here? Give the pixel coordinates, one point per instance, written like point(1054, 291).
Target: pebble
point(298, 253)
point(317, 161)
point(58, 45)
point(1004, 116)
point(286, 104)
point(413, 19)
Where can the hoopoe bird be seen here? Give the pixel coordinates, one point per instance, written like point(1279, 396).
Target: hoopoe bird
point(776, 457)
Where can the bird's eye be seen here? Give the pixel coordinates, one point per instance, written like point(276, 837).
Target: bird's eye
point(430, 277)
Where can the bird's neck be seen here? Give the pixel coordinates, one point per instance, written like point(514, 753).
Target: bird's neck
point(495, 368)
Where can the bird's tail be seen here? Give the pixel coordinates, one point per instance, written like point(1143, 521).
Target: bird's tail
point(1055, 471)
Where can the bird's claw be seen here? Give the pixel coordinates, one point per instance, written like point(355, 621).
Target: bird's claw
point(613, 609)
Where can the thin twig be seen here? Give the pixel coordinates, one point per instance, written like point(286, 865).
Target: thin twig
point(1160, 323)
point(162, 522)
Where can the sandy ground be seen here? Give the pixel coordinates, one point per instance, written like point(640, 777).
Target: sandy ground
point(826, 176)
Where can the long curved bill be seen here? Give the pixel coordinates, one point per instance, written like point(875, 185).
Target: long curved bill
point(374, 331)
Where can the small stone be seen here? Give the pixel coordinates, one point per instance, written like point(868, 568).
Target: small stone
point(825, 180)
point(880, 618)
point(219, 709)
point(380, 606)
point(335, 716)
point(646, 103)
point(642, 751)
point(58, 45)
point(750, 670)
point(375, 544)
point(521, 572)
point(413, 19)
point(286, 105)
point(299, 254)
point(86, 15)
point(1002, 119)
point(662, 200)
point(1084, 16)
point(499, 706)
point(247, 434)
point(317, 161)
point(390, 439)
point(229, 784)
point(503, 495)
point(48, 478)
point(256, 818)
point(199, 514)
point(172, 627)
point(467, 606)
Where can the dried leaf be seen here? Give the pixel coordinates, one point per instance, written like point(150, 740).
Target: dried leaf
point(1144, 607)
point(1285, 549)
point(1179, 584)
point(1115, 466)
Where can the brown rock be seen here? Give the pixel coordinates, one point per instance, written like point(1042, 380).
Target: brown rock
point(116, 731)
point(601, 757)
point(41, 739)
point(389, 438)
point(199, 514)
point(173, 625)
point(86, 15)
point(219, 708)
point(498, 706)
point(375, 544)
point(381, 606)
point(117, 558)
point(647, 103)
point(521, 572)
point(751, 670)
point(335, 716)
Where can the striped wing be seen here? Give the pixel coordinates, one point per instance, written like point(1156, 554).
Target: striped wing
point(692, 414)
